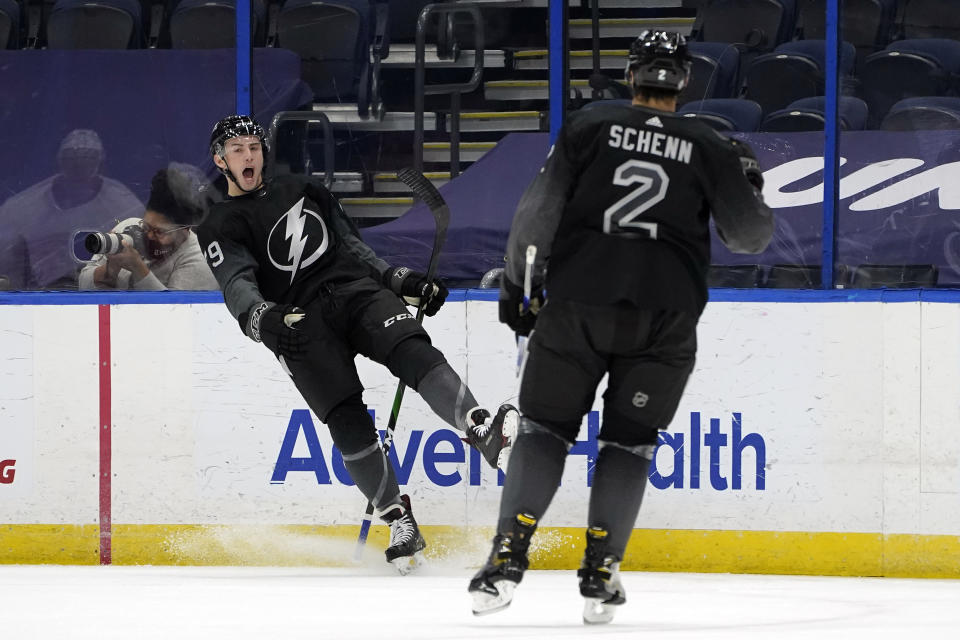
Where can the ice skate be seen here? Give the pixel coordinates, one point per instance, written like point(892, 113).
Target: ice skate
point(405, 552)
point(599, 576)
point(493, 437)
point(492, 587)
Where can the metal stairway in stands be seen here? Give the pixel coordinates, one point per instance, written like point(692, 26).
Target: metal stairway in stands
point(513, 97)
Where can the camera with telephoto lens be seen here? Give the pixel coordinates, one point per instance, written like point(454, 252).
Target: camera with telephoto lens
point(108, 243)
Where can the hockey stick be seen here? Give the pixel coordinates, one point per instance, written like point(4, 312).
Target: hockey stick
point(424, 190)
point(527, 288)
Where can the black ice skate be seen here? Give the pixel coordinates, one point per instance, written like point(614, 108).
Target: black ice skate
point(600, 579)
point(406, 544)
point(492, 587)
point(494, 437)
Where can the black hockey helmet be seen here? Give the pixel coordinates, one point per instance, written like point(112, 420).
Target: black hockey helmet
point(234, 127)
point(659, 60)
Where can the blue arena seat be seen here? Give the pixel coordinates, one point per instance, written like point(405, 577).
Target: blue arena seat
point(9, 24)
point(715, 72)
point(921, 114)
point(807, 114)
point(908, 69)
point(794, 70)
point(757, 25)
point(929, 19)
point(866, 24)
point(211, 24)
point(725, 114)
point(332, 38)
point(94, 24)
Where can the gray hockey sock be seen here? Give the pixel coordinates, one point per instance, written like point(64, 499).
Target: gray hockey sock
point(536, 466)
point(373, 475)
point(447, 395)
point(619, 480)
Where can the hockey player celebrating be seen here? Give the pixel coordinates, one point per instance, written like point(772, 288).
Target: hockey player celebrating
point(621, 211)
point(297, 277)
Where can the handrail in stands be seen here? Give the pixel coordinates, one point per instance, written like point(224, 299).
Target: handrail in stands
point(307, 117)
point(421, 89)
point(597, 92)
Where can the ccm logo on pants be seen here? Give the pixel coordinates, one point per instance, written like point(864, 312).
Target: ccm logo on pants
point(402, 316)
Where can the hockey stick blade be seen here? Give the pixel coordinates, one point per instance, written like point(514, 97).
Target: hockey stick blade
point(425, 190)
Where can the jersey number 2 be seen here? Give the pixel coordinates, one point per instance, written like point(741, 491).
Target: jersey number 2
point(652, 182)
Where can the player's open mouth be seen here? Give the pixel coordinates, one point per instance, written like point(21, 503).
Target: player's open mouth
point(248, 173)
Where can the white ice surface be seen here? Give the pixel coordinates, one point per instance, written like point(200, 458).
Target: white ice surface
point(208, 603)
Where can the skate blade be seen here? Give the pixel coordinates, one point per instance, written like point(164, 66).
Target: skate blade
point(408, 564)
point(503, 458)
point(510, 427)
point(596, 612)
point(484, 603)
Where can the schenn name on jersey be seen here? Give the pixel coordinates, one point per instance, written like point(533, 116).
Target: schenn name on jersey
point(643, 141)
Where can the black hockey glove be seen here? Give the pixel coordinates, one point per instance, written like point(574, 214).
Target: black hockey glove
point(413, 286)
point(276, 327)
point(749, 164)
point(512, 312)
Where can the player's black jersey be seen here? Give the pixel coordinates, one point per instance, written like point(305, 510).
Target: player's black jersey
point(622, 206)
point(282, 243)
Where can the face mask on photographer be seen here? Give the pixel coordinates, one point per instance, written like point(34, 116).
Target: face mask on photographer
point(163, 235)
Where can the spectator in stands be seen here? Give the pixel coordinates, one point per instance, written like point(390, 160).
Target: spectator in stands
point(38, 224)
point(178, 200)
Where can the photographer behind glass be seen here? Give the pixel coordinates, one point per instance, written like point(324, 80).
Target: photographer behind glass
point(159, 251)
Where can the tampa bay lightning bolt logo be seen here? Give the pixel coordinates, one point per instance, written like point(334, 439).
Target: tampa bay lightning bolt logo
point(304, 236)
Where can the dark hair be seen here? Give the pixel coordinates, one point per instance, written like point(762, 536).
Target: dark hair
point(650, 93)
point(179, 196)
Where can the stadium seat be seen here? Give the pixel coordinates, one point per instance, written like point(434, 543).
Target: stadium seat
point(211, 24)
point(807, 114)
point(332, 39)
point(894, 276)
point(794, 70)
point(739, 276)
point(908, 69)
point(756, 25)
point(715, 72)
point(866, 24)
point(94, 24)
point(929, 19)
point(923, 114)
point(9, 24)
point(725, 114)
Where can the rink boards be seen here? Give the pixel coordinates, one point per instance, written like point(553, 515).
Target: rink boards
point(818, 435)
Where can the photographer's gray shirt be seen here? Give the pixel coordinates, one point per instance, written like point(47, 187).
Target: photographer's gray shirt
point(184, 269)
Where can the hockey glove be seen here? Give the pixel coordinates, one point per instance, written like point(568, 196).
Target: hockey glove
point(512, 312)
point(749, 164)
point(276, 327)
point(413, 287)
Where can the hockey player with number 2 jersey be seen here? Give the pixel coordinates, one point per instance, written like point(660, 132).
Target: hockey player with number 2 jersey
point(619, 220)
point(297, 277)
